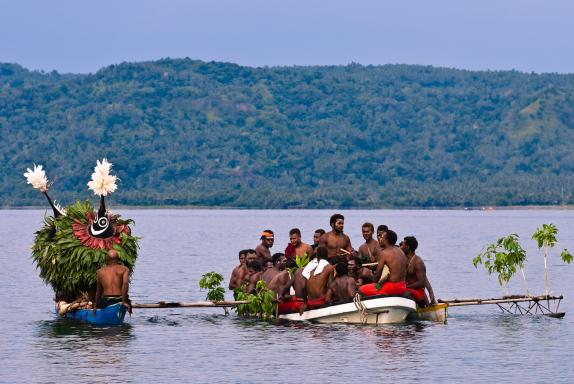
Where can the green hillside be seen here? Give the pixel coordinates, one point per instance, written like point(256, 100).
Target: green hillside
point(186, 132)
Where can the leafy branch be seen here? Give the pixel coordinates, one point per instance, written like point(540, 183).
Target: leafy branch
point(212, 282)
point(545, 237)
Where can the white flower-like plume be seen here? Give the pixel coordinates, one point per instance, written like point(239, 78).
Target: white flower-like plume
point(102, 182)
point(37, 178)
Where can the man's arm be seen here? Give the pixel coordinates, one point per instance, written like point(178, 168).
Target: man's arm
point(233, 280)
point(379, 270)
point(125, 288)
point(429, 289)
point(329, 295)
point(420, 273)
point(351, 287)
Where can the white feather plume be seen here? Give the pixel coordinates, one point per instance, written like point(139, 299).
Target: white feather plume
point(60, 208)
point(37, 178)
point(102, 182)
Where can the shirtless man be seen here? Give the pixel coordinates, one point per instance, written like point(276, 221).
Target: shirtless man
point(380, 230)
point(263, 250)
point(316, 237)
point(277, 267)
point(416, 278)
point(282, 282)
point(357, 271)
point(319, 275)
point(395, 259)
point(301, 249)
point(343, 287)
point(369, 250)
point(238, 272)
point(337, 243)
point(112, 283)
point(253, 275)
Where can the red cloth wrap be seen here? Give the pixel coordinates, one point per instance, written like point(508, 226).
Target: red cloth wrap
point(290, 306)
point(388, 288)
point(289, 251)
point(418, 293)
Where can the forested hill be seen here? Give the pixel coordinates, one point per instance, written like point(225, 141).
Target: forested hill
point(187, 132)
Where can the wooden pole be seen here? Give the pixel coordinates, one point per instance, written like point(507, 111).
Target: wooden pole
point(463, 302)
point(195, 304)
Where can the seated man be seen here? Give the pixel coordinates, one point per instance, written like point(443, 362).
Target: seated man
point(395, 259)
point(416, 278)
point(297, 288)
point(282, 283)
point(278, 265)
point(112, 283)
point(356, 270)
point(319, 274)
point(253, 276)
point(343, 287)
point(238, 272)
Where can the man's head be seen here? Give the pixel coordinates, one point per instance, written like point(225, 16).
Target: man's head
point(250, 255)
point(112, 256)
point(380, 230)
point(267, 238)
point(342, 269)
point(279, 260)
point(268, 265)
point(368, 229)
point(389, 238)
point(322, 253)
point(295, 237)
point(337, 222)
point(291, 263)
point(317, 236)
point(409, 245)
point(354, 263)
point(253, 267)
point(242, 255)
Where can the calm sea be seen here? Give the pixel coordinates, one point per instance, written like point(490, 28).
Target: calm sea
point(203, 346)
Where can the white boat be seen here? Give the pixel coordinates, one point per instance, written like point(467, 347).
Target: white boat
point(365, 310)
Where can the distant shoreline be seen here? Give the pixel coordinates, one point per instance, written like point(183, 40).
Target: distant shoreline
point(192, 207)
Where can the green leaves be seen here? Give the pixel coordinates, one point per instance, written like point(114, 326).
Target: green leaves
point(566, 256)
point(212, 282)
point(545, 236)
point(502, 258)
point(261, 304)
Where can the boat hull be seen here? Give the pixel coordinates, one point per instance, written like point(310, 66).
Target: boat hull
point(111, 315)
point(437, 313)
point(379, 310)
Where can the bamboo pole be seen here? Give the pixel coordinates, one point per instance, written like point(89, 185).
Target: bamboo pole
point(464, 302)
point(195, 304)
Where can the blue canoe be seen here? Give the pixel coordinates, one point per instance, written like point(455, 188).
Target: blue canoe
point(111, 315)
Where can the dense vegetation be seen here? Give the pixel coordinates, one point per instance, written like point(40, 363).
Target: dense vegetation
point(186, 132)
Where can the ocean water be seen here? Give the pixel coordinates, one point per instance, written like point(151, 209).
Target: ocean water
point(478, 343)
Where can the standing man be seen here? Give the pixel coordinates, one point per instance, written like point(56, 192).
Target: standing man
point(238, 272)
point(299, 248)
point(112, 283)
point(369, 250)
point(263, 250)
point(337, 243)
point(396, 261)
point(316, 237)
point(416, 278)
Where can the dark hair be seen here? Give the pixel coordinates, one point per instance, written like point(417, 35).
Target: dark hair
point(295, 231)
point(267, 230)
point(391, 237)
point(411, 242)
point(369, 225)
point(382, 228)
point(249, 251)
point(276, 257)
point(342, 269)
point(255, 265)
point(291, 263)
point(242, 252)
point(336, 217)
point(320, 230)
point(321, 252)
point(357, 260)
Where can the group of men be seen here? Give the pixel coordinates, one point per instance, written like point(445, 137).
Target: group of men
point(336, 271)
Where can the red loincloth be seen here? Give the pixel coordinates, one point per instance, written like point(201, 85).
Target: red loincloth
point(315, 303)
point(388, 288)
point(290, 306)
point(418, 293)
point(290, 251)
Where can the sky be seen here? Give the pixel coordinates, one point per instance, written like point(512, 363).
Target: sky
point(83, 36)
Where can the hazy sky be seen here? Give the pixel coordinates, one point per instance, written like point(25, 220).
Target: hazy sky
point(83, 36)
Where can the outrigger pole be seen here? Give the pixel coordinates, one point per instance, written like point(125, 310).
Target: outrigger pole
point(195, 304)
point(520, 305)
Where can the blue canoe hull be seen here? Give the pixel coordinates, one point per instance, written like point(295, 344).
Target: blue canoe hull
point(111, 315)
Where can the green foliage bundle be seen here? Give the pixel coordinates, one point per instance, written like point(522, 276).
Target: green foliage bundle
point(212, 282)
point(64, 263)
point(502, 258)
point(261, 304)
point(545, 237)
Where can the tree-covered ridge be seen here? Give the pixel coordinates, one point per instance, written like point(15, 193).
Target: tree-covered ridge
point(218, 134)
